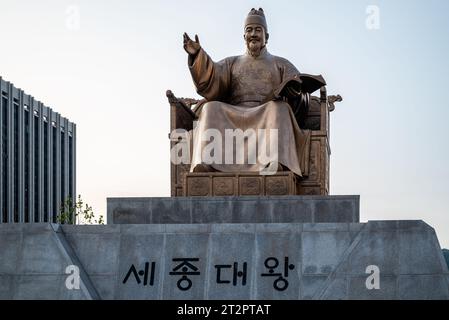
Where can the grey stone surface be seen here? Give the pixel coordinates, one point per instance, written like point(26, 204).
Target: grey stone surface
point(310, 285)
point(6, 286)
point(187, 228)
point(98, 252)
point(337, 290)
point(139, 250)
point(88, 288)
point(233, 228)
point(105, 286)
point(336, 211)
point(323, 227)
point(211, 211)
point(89, 229)
point(15, 228)
point(73, 294)
point(37, 245)
point(250, 209)
point(414, 259)
point(422, 287)
point(133, 212)
point(411, 225)
point(328, 260)
point(228, 253)
point(292, 210)
point(323, 250)
point(279, 227)
point(281, 250)
point(359, 291)
point(166, 210)
point(379, 248)
point(141, 229)
point(446, 256)
point(354, 229)
point(185, 246)
point(10, 249)
point(44, 287)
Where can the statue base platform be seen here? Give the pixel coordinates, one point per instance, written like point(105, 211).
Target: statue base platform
point(248, 209)
point(224, 261)
point(237, 248)
point(240, 184)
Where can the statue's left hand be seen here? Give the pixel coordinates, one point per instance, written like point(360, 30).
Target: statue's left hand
point(190, 46)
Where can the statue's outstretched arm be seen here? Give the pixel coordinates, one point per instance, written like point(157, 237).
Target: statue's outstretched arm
point(211, 78)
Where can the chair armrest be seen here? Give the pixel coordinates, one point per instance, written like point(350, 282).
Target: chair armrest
point(181, 115)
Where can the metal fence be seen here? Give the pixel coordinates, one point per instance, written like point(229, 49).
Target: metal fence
point(38, 158)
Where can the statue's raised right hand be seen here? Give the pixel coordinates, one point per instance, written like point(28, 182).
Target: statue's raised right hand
point(190, 46)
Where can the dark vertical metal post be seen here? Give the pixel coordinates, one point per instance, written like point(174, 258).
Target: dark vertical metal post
point(73, 182)
point(1, 151)
point(30, 164)
point(40, 121)
point(58, 163)
point(10, 153)
point(21, 154)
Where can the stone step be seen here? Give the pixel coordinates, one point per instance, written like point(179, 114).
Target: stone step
point(250, 209)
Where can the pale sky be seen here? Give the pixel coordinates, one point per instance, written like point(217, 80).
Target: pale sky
point(108, 72)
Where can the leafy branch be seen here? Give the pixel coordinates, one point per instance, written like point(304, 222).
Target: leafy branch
point(77, 212)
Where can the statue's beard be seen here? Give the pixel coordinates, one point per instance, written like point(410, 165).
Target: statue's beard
point(254, 48)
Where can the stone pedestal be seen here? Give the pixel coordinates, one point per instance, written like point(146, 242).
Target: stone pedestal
point(225, 261)
point(255, 209)
point(239, 184)
point(225, 248)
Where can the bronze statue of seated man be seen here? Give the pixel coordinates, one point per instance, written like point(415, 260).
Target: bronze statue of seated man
point(258, 96)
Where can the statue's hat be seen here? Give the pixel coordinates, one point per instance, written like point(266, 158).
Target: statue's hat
point(256, 17)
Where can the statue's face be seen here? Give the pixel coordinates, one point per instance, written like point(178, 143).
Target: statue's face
point(255, 38)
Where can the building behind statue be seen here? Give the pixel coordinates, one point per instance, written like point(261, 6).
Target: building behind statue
point(38, 163)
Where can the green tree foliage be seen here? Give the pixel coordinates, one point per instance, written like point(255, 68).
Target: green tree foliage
point(77, 213)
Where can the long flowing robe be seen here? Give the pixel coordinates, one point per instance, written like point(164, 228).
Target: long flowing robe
point(240, 94)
